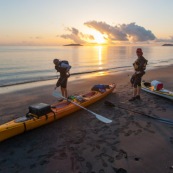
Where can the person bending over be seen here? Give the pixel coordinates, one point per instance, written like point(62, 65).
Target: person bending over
point(63, 68)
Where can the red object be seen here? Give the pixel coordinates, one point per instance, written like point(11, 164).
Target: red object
point(159, 86)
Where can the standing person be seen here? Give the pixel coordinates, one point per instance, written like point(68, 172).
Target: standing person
point(63, 68)
point(139, 67)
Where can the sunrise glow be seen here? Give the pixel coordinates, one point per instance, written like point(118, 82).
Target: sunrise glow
point(99, 38)
point(24, 24)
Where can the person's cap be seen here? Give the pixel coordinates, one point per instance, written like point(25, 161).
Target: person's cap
point(139, 50)
point(56, 61)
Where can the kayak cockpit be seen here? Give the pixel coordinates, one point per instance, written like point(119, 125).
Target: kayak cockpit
point(90, 94)
point(147, 84)
point(60, 104)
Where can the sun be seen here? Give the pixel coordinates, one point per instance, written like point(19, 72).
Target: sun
point(95, 37)
point(99, 39)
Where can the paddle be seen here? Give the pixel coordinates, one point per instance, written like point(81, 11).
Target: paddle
point(163, 120)
point(99, 117)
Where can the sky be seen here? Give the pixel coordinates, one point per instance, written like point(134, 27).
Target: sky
point(86, 22)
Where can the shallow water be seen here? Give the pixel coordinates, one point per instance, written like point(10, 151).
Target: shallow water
point(20, 65)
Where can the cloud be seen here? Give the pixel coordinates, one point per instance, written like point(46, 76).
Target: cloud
point(37, 37)
point(121, 33)
point(113, 33)
point(165, 40)
point(125, 32)
point(73, 36)
point(137, 33)
point(76, 36)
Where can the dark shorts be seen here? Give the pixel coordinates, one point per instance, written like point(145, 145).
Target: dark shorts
point(62, 81)
point(136, 79)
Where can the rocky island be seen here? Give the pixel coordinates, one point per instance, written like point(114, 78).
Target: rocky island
point(167, 45)
point(73, 45)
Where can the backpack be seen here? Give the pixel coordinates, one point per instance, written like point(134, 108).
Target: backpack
point(64, 61)
point(100, 87)
point(65, 64)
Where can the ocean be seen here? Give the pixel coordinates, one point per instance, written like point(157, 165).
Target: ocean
point(29, 64)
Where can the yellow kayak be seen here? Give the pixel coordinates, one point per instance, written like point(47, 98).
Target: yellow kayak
point(41, 113)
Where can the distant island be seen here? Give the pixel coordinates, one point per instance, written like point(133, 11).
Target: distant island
point(167, 45)
point(73, 45)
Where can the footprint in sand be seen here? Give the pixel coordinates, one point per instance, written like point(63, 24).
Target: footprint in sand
point(89, 166)
point(78, 157)
point(148, 130)
point(62, 156)
point(138, 132)
point(171, 140)
point(121, 170)
point(101, 171)
point(32, 166)
point(43, 162)
point(31, 150)
point(108, 157)
point(128, 133)
point(12, 153)
point(121, 154)
point(104, 164)
point(148, 124)
point(3, 161)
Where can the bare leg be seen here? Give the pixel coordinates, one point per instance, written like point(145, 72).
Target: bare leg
point(134, 92)
point(138, 90)
point(64, 92)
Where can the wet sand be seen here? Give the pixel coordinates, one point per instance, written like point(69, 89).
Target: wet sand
point(79, 143)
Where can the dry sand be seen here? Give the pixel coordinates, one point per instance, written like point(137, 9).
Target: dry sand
point(79, 143)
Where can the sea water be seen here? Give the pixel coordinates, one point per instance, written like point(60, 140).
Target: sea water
point(28, 64)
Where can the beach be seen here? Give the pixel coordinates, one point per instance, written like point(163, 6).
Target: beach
point(80, 143)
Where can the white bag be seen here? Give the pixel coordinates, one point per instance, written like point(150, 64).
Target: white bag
point(157, 85)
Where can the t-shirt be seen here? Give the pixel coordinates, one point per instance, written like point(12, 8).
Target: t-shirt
point(140, 64)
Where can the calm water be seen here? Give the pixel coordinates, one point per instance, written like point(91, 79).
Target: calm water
point(29, 64)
